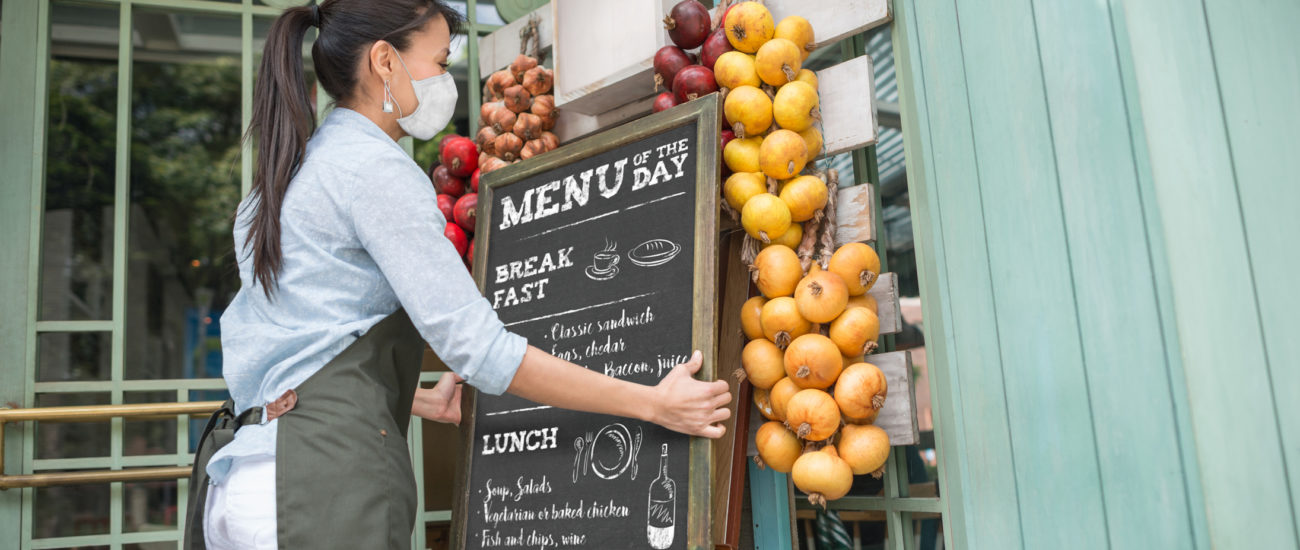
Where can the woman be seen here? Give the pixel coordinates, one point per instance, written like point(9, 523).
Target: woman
point(344, 271)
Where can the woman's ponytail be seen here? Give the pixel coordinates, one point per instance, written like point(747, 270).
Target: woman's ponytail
point(282, 122)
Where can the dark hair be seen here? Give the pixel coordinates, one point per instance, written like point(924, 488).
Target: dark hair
point(282, 119)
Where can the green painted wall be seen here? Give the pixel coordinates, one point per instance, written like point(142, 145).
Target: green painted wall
point(1106, 204)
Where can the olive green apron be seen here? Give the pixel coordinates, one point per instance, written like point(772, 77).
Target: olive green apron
point(343, 471)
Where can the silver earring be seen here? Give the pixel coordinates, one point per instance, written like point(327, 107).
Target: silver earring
point(388, 101)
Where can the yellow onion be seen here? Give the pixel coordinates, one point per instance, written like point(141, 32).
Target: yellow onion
point(749, 25)
point(812, 414)
point(765, 217)
point(763, 401)
point(778, 270)
point(798, 30)
point(741, 154)
point(813, 361)
point(865, 449)
point(791, 238)
point(749, 111)
point(858, 265)
point(778, 447)
point(863, 300)
point(763, 363)
point(860, 393)
point(821, 296)
point(804, 196)
point(855, 331)
point(812, 140)
point(781, 321)
point(750, 317)
point(780, 395)
point(778, 61)
point(823, 475)
point(742, 186)
point(807, 76)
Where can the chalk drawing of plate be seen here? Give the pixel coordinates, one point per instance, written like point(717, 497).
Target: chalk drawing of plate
point(598, 275)
point(654, 252)
point(611, 453)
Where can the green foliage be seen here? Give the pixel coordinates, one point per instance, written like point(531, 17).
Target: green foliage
point(184, 179)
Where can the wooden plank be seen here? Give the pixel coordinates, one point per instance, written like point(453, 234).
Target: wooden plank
point(832, 21)
point(898, 416)
point(609, 63)
point(1260, 81)
point(573, 125)
point(948, 437)
point(885, 291)
point(981, 454)
point(498, 49)
point(855, 214)
point(734, 287)
point(848, 105)
point(1163, 283)
point(1195, 108)
point(1028, 252)
point(773, 516)
point(1113, 278)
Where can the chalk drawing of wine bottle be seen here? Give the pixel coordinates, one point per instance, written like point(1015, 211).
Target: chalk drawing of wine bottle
point(660, 523)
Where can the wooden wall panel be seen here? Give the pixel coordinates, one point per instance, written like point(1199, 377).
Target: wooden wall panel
point(1210, 201)
point(1129, 388)
point(1038, 332)
point(1255, 53)
point(982, 451)
point(950, 438)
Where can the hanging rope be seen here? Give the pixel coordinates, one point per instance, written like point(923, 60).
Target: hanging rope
point(530, 38)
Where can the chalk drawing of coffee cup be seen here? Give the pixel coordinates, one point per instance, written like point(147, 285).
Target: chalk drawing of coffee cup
point(604, 264)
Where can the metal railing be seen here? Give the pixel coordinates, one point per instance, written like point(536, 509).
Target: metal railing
point(97, 413)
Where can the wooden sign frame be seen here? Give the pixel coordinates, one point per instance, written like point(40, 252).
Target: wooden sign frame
point(705, 113)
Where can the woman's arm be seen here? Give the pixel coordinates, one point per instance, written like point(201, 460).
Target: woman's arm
point(680, 402)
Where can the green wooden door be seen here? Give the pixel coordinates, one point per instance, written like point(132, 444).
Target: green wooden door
point(1105, 200)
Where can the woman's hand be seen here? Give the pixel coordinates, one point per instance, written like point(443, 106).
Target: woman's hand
point(441, 403)
point(691, 406)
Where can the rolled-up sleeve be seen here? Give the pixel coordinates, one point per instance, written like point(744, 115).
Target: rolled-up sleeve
point(397, 220)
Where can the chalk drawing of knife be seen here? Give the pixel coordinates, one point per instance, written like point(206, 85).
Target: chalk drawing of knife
point(636, 451)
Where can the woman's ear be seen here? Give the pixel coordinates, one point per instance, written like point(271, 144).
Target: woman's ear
point(382, 59)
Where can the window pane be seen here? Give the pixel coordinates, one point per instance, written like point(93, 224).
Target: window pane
point(149, 507)
point(149, 437)
point(184, 191)
point(841, 530)
point(70, 511)
point(73, 356)
point(77, 232)
point(71, 439)
point(928, 530)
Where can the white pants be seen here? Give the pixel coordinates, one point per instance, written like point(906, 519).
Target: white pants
point(240, 513)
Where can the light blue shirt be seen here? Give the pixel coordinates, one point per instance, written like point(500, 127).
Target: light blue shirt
point(361, 235)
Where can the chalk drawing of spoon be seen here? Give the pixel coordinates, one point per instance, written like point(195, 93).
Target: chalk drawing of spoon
point(578, 444)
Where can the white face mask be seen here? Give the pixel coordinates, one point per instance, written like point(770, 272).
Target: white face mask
point(437, 103)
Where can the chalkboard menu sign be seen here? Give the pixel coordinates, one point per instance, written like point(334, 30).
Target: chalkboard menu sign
point(603, 253)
